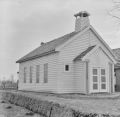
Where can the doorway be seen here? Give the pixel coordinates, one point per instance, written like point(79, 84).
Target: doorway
point(99, 79)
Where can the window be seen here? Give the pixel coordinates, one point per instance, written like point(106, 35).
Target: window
point(103, 79)
point(37, 73)
point(67, 68)
point(25, 74)
point(95, 78)
point(94, 71)
point(46, 73)
point(31, 73)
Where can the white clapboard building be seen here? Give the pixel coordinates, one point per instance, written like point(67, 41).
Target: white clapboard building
point(78, 62)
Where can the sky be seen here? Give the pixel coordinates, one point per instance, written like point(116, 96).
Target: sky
point(24, 24)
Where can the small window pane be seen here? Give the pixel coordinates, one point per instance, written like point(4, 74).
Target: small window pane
point(25, 74)
point(94, 71)
point(102, 71)
point(95, 86)
point(95, 79)
point(31, 73)
point(46, 73)
point(66, 67)
point(103, 79)
point(103, 86)
point(37, 73)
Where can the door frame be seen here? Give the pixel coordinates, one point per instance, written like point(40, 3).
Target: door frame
point(99, 89)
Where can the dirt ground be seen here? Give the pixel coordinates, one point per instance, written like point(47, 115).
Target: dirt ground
point(9, 110)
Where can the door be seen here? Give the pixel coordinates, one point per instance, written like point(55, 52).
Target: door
point(99, 80)
point(103, 80)
point(95, 80)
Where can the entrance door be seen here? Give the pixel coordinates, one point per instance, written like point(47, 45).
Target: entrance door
point(99, 83)
point(95, 79)
point(103, 82)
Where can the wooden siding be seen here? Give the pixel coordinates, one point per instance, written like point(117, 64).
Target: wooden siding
point(95, 41)
point(66, 81)
point(80, 77)
point(74, 48)
point(60, 81)
point(51, 86)
point(100, 60)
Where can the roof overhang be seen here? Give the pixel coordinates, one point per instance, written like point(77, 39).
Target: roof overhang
point(84, 53)
point(94, 49)
point(37, 56)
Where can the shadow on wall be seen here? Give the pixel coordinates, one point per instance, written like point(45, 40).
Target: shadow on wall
point(117, 75)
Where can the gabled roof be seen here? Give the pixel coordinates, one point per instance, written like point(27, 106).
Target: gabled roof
point(79, 57)
point(56, 44)
point(98, 36)
point(47, 48)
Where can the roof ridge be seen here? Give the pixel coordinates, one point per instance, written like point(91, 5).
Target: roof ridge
point(59, 37)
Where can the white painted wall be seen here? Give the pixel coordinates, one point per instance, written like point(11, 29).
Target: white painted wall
point(99, 59)
point(80, 77)
point(95, 41)
point(58, 80)
point(51, 86)
point(66, 80)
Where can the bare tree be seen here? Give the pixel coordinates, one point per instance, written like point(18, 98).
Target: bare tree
point(115, 11)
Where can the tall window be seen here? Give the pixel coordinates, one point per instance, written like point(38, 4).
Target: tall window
point(66, 68)
point(95, 79)
point(37, 73)
point(103, 79)
point(46, 73)
point(25, 74)
point(31, 73)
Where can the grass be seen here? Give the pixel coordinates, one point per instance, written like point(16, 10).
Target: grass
point(8, 107)
point(54, 106)
point(98, 103)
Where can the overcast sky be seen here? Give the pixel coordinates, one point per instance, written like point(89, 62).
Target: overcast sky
point(25, 23)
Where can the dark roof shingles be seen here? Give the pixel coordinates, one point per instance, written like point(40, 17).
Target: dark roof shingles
point(47, 47)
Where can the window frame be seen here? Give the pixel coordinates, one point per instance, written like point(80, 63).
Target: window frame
point(103, 82)
point(95, 75)
point(65, 67)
